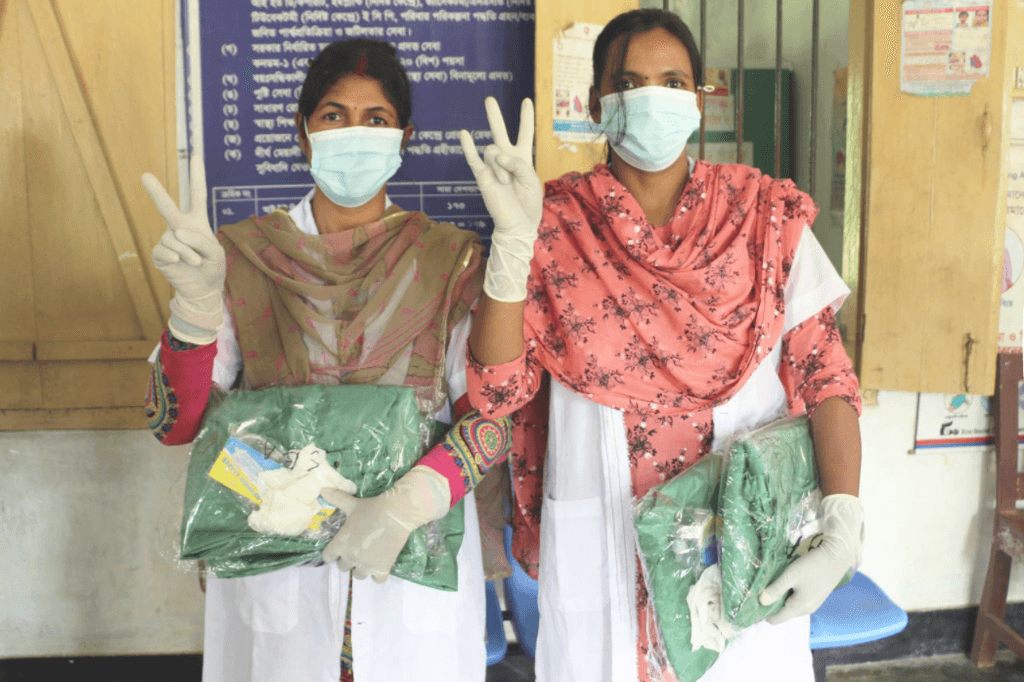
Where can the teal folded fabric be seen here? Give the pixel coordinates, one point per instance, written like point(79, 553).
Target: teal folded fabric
point(743, 513)
point(372, 435)
point(675, 526)
point(767, 474)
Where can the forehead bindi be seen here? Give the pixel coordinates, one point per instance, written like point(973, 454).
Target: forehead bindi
point(358, 93)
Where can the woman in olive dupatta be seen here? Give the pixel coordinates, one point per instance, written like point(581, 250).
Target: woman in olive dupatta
point(344, 288)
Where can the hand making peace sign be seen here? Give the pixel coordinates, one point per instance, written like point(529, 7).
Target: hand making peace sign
point(191, 259)
point(514, 197)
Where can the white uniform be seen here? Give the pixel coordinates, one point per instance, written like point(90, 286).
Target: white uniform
point(289, 624)
point(588, 623)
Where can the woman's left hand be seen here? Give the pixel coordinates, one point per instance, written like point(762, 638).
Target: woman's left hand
point(376, 528)
point(812, 577)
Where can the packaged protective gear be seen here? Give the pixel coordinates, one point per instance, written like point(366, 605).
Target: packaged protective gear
point(514, 197)
point(288, 494)
point(351, 165)
point(372, 436)
point(191, 259)
point(648, 127)
point(676, 533)
point(762, 500)
point(769, 474)
point(376, 528)
point(814, 575)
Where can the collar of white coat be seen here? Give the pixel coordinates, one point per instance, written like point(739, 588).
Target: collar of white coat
point(302, 212)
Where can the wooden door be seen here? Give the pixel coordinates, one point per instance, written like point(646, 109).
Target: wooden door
point(88, 106)
point(932, 205)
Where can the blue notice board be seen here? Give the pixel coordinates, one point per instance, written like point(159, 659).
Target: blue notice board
point(254, 56)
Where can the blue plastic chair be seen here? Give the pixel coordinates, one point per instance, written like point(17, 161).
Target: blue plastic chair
point(497, 645)
point(521, 598)
point(856, 613)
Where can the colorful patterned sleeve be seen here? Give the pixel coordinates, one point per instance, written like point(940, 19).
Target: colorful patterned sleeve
point(179, 389)
point(472, 446)
point(815, 365)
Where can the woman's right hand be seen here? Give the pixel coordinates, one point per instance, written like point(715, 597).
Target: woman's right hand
point(514, 197)
point(191, 259)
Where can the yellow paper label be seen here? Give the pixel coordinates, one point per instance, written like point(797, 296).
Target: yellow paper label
point(226, 473)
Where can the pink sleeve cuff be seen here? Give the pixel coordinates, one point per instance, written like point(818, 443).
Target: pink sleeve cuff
point(440, 460)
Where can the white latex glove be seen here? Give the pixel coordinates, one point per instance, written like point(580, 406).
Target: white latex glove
point(191, 259)
point(288, 495)
point(813, 576)
point(514, 197)
point(376, 528)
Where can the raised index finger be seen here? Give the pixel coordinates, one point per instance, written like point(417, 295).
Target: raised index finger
point(164, 204)
point(497, 123)
point(472, 156)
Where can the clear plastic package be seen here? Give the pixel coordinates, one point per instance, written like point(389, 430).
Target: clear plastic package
point(370, 436)
point(746, 511)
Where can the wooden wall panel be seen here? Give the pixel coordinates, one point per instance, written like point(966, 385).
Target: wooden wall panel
point(75, 204)
point(137, 124)
point(89, 105)
point(22, 387)
point(934, 226)
point(16, 295)
point(72, 384)
point(554, 157)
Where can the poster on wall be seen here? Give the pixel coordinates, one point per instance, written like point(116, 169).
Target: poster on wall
point(253, 60)
point(719, 103)
point(1011, 312)
point(956, 421)
point(945, 46)
point(572, 76)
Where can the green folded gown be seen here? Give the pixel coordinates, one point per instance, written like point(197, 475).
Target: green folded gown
point(744, 513)
point(372, 435)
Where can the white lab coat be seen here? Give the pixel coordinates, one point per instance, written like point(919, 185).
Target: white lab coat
point(289, 624)
point(588, 623)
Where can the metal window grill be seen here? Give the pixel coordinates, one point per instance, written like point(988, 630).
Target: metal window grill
point(815, 20)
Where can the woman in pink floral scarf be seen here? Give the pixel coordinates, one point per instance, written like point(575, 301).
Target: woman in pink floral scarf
point(633, 318)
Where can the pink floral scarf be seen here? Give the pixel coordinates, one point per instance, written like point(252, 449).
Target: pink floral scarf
point(678, 315)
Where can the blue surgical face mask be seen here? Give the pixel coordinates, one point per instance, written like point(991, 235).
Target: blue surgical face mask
point(648, 127)
point(350, 165)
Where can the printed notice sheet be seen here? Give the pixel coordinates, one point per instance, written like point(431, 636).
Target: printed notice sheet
point(573, 76)
point(1011, 312)
point(956, 421)
point(945, 46)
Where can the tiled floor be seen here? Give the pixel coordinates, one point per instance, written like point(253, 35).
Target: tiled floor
point(515, 668)
point(937, 669)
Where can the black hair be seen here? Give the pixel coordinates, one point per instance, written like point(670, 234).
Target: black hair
point(640, 21)
point(629, 24)
point(372, 58)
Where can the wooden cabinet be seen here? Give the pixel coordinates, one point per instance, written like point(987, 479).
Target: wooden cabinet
point(926, 188)
point(88, 106)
